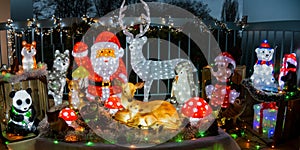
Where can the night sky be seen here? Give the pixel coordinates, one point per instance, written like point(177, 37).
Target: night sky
point(256, 10)
point(21, 9)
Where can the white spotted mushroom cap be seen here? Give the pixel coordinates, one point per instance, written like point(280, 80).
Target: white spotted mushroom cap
point(68, 114)
point(196, 107)
point(113, 102)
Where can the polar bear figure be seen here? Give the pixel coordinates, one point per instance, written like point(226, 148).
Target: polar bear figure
point(263, 75)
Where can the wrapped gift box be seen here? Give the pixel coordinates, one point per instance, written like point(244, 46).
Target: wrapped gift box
point(265, 116)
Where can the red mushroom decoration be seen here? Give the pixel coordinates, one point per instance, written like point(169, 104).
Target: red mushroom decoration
point(196, 108)
point(68, 115)
point(113, 104)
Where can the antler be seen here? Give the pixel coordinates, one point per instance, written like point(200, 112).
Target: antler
point(121, 17)
point(144, 17)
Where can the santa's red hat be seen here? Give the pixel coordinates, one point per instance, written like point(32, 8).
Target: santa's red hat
point(108, 40)
point(80, 49)
point(225, 56)
point(105, 39)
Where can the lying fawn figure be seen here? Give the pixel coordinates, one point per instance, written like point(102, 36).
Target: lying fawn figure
point(153, 114)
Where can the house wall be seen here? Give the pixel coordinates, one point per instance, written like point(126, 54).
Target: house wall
point(4, 15)
point(271, 10)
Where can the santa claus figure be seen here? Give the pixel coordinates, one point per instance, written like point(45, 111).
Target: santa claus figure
point(104, 65)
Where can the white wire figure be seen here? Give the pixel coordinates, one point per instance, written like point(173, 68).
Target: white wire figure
point(147, 70)
point(263, 70)
point(57, 77)
point(183, 86)
point(221, 94)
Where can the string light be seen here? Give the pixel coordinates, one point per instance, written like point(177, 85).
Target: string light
point(234, 136)
point(201, 134)
point(242, 133)
point(179, 139)
point(55, 142)
point(11, 41)
point(89, 143)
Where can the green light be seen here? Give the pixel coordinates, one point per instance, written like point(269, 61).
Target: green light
point(146, 139)
point(87, 120)
point(178, 140)
point(292, 93)
point(6, 142)
point(89, 143)
point(202, 134)
point(287, 97)
point(234, 136)
point(264, 131)
point(242, 133)
point(257, 147)
point(55, 142)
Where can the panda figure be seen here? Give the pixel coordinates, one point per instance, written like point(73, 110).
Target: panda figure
point(22, 114)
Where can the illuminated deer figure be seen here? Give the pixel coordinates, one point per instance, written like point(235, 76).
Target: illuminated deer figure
point(147, 70)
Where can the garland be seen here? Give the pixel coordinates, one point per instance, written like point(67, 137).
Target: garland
point(21, 76)
point(259, 95)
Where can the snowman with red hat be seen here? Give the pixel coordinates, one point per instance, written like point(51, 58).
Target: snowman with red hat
point(263, 75)
point(104, 65)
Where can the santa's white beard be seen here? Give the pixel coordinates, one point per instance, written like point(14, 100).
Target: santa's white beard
point(105, 69)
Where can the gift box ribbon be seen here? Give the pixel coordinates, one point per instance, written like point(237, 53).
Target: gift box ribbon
point(270, 105)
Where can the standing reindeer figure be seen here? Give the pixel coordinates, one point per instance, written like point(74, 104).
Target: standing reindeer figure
point(147, 70)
